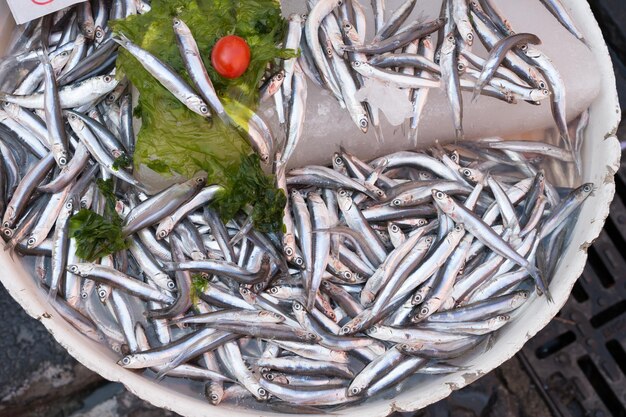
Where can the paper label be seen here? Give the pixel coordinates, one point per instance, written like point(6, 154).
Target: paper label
point(27, 10)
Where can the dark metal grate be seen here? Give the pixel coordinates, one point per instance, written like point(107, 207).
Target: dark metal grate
point(579, 359)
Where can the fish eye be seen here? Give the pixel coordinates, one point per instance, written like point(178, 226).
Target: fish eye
point(107, 79)
point(69, 205)
point(299, 261)
point(343, 193)
point(429, 239)
point(74, 268)
point(280, 76)
point(355, 390)
point(458, 228)
point(171, 285)
point(297, 306)
point(288, 251)
point(64, 53)
point(470, 37)
point(395, 228)
point(204, 109)
point(31, 241)
point(363, 123)
point(176, 22)
point(338, 160)
point(244, 291)
point(545, 92)
point(162, 234)
point(269, 377)
point(83, 294)
point(467, 172)
point(357, 63)
point(347, 275)
point(273, 290)
point(461, 67)
point(126, 360)
point(587, 188)
point(542, 84)
point(524, 47)
point(396, 202)
point(214, 397)
point(424, 311)
point(451, 38)
point(262, 392)
point(439, 195)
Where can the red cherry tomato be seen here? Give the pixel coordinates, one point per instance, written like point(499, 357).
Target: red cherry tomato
point(230, 56)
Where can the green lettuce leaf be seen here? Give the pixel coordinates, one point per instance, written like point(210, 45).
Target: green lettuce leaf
point(172, 138)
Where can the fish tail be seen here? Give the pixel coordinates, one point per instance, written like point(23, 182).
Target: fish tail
point(169, 266)
point(413, 136)
point(476, 93)
point(52, 294)
point(540, 281)
point(310, 300)
point(162, 373)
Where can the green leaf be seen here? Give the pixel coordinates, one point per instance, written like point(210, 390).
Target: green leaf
point(172, 138)
point(122, 161)
point(199, 284)
point(251, 186)
point(96, 236)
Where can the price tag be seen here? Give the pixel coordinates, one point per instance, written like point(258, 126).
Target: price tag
point(26, 10)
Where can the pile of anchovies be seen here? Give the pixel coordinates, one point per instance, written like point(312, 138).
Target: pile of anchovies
point(336, 56)
point(385, 269)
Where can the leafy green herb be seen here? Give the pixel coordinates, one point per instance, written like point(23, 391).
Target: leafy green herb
point(250, 184)
point(173, 139)
point(97, 236)
point(199, 284)
point(122, 161)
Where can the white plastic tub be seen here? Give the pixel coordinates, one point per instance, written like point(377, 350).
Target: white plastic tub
point(601, 155)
